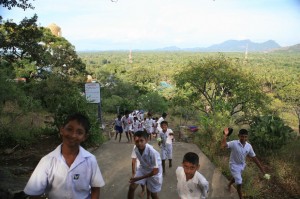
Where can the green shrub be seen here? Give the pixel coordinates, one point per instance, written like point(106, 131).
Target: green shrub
point(269, 134)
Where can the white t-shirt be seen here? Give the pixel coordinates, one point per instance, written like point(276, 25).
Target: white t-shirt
point(159, 121)
point(127, 123)
point(149, 160)
point(166, 138)
point(133, 155)
point(118, 122)
point(195, 188)
point(55, 178)
point(136, 126)
point(239, 152)
point(148, 123)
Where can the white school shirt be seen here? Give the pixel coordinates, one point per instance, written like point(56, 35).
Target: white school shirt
point(126, 121)
point(159, 121)
point(133, 155)
point(149, 160)
point(148, 123)
point(193, 188)
point(239, 152)
point(54, 177)
point(166, 138)
point(136, 126)
point(118, 122)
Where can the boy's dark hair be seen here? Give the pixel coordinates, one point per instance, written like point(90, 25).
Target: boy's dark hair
point(164, 122)
point(143, 134)
point(127, 112)
point(243, 132)
point(191, 157)
point(81, 119)
point(164, 115)
point(119, 116)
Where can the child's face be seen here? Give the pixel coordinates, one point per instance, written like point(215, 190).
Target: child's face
point(73, 133)
point(243, 138)
point(164, 127)
point(140, 142)
point(189, 169)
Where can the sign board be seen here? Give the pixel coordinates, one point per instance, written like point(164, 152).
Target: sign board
point(92, 92)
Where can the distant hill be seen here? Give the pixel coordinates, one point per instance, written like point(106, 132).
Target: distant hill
point(230, 46)
point(289, 49)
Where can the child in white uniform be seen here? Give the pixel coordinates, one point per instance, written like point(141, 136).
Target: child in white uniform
point(150, 171)
point(148, 123)
point(162, 118)
point(69, 171)
point(118, 127)
point(127, 125)
point(240, 149)
point(167, 137)
point(191, 184)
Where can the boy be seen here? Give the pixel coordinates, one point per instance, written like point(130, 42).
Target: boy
point(136, 125)
point(166, 139)
point(148, 123)
point(135, 163)
point(191, 184)
point(69, 171)
point(162, 118)
point(127, 124)
point(118, 127)
point(149, 171)
point(240, 149)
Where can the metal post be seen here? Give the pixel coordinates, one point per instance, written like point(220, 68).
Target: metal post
point(99, 114)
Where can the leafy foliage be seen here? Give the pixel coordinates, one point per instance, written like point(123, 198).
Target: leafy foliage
point(269, 133)
point(217, 83)
point(27, 44)
point(152, 102)
point(16, 3)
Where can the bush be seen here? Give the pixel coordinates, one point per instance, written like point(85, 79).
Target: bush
point(61, 97)
point(269, 134)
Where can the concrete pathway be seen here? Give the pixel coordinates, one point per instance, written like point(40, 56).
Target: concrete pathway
point(114, 159)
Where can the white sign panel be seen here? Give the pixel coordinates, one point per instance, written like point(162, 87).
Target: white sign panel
point(92, 92)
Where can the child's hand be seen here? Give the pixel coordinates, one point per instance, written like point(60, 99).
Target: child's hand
point(132, 180)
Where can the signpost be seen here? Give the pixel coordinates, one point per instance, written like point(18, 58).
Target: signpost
point(92, 94)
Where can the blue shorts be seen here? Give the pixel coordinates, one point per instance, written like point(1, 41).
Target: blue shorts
point(119, 129)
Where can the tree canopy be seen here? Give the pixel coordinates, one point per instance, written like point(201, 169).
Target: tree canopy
point(216, 84)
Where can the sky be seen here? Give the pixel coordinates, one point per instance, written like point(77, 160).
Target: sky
point(151, 24)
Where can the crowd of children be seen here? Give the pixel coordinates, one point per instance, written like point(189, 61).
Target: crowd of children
point(72, 172)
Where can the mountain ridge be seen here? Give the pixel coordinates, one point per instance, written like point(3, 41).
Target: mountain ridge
point(230, 46)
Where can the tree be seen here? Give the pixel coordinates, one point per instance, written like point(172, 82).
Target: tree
point(290, 94)
point(152, 102)
point(27, 41)
point(24, 4)
point(217, 85)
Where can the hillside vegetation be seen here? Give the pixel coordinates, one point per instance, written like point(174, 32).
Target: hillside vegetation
point(42, 79)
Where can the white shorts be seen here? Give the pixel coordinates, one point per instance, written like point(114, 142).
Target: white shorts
point(149, 130)
point(153, 183)
point(236, 172)
point(166, 151)
point(126, 128)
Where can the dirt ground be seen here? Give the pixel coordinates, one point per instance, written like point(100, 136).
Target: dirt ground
point(115, 164)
